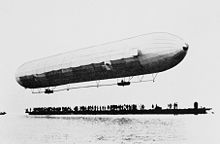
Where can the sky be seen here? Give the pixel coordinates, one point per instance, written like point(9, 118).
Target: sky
point(34, 29)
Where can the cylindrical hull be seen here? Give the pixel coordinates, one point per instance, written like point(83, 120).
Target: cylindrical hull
point(122, 59)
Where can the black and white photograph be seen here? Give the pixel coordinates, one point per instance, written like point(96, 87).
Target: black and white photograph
point(109, 72)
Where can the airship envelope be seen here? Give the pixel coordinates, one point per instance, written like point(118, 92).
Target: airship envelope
point(140, 55)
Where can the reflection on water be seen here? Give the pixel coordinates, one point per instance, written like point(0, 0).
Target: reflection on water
point(92, 129)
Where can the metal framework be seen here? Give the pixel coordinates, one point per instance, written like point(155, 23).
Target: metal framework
point(123, 82)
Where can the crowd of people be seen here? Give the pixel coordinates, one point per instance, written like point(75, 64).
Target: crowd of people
point(125, 107)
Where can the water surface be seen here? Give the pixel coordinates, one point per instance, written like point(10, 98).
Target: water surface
point(24, 129)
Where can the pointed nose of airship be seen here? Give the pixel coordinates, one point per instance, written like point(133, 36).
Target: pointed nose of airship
point(186, 47)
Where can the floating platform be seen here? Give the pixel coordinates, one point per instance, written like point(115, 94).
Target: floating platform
point(126, 112)
point(117, 110)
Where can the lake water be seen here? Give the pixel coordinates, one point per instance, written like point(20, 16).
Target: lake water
point(24, 129)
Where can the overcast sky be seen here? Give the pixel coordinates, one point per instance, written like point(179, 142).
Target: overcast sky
point(35, 29)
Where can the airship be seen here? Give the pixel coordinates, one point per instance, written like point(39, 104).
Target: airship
point(134, 56)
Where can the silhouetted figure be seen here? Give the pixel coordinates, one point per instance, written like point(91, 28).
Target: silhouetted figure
point(196, 105)
point(142, 107)
point(170, 106)
point(158, 107)
point(175, 106)
point(75, 108)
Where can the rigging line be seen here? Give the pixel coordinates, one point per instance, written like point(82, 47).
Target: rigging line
point(88, 86)
point(141, 81)
point(141, 78)
point(37, 92)
point(130, 78)
point(154, 77)
point(95, 85)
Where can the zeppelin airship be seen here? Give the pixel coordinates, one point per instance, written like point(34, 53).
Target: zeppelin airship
point(134, 56)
